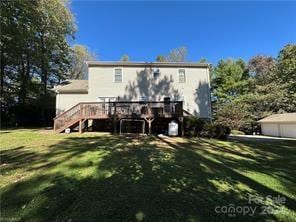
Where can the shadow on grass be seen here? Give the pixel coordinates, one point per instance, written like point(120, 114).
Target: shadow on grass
point(133, 179)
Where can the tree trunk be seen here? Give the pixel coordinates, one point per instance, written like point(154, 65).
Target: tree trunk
point(44, 77)
point(2, 81)
point(44, 70)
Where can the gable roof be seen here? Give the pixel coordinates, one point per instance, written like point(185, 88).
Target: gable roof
point(72, 86)
point(279, 118)
point(148, 64)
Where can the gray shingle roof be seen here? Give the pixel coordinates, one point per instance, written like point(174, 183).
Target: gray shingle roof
point(279, 118)
point(72, 86)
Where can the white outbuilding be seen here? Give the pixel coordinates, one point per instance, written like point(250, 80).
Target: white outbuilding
point(280, 125)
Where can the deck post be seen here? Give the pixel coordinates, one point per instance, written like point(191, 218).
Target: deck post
point(81, 107)
point(114, 125)
point(149, 120)
point(114, 119)
point(181, 121)
point(54, 126)
point(80, 126)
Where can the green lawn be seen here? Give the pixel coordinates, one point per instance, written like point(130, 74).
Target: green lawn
point(102, 177)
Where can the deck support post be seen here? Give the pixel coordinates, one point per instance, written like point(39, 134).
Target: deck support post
point(80, 126)
point(149, 121)
point(114, 119)
point(114, 125)
point(54, 126)
point(182, 125)
point(149, 127)
point(182, 120)
point(86, 125)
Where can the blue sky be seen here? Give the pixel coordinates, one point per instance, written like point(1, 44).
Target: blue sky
point(213, 30)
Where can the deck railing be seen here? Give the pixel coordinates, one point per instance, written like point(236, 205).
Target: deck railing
point(118, 109)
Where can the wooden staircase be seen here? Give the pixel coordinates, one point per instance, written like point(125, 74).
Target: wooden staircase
point(79, 113)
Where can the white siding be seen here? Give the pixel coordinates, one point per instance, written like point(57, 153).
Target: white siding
point(279, 129)
point(66, 101)
point(270, 129)
point(138, 82)
point(288, 130)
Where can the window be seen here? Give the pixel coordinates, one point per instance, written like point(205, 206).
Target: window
point(142, 98)
point(156, 73)
point(118, 75)
point(106, 99)
point(182, 77)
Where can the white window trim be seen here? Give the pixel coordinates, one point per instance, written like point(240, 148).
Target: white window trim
point(121, 74)
point(112, 98)
point(184, 75)
point(153, 72)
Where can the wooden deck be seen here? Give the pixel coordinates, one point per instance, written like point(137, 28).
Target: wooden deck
point(116, 111)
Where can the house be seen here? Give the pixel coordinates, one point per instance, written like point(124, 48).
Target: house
point(280, 125)
point(134, 96)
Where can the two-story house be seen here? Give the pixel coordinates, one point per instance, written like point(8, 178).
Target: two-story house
point(134, 96)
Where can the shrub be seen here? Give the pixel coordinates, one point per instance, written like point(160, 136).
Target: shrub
point(193, 126)
point(237, 132)
point(215, 130)
point(251, 128)
point(198, 127)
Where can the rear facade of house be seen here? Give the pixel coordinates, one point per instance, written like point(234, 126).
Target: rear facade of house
point(134, 97)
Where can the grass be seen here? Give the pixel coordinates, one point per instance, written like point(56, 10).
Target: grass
point(102, 177)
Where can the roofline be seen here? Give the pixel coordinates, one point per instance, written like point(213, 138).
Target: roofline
point(69, 91)
point(277, 121)
point(148, 64)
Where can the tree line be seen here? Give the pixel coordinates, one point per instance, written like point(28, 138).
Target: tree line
point(35, 55)
point(244, 92)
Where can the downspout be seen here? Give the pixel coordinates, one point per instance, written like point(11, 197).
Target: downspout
point(209, 93)
point(57, 102)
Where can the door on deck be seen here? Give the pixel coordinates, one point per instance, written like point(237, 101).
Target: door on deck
point(106, 105)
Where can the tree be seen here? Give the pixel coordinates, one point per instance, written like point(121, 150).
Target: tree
point(125, 58)
point(34, 53)
point(54, 26)
point(262, 68)
point(234, 114)
point(160, 58)
point(18, 53)
point(177, 55)
point(80, 54)
point(202, 60)
point(267, 95)
point(230, 79)
point(286, 75)
point(230, 84)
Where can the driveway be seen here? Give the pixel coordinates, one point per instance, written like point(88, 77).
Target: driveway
point(258, 137)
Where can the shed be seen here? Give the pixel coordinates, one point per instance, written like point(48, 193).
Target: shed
point(280, 125)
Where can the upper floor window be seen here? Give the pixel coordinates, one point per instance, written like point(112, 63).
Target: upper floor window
point(156, 73)
point(182, 77)
point(118, 75)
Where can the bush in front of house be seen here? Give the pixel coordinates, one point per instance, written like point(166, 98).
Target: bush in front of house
point(198, 127)
point(193, 126)
point(215, 130)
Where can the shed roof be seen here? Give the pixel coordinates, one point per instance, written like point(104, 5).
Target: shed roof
point(279, 118)
point(72, 86)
